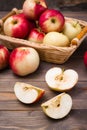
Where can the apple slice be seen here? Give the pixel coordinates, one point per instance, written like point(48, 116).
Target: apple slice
point(27, 93)
point(60, 80)
point(58, 107)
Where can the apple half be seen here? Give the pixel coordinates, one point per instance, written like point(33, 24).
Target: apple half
point(27, 93)
point(58, 107)
point(61, 80)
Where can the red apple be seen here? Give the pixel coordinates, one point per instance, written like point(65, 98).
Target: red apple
point(36, 35)
point(4, 57)
point(24, 60)
point(17, 26)
point(51, 20)
point(85, 58)
point(33, 8)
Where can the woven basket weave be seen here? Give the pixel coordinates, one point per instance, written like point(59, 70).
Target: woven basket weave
point(47, 53)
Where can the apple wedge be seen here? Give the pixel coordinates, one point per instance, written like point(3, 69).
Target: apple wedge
point(27, 93)
point(61, 80)
point(58, 107)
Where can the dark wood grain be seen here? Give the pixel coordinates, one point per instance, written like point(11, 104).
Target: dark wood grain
point(15, 115)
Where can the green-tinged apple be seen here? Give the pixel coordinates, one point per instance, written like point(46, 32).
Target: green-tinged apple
point(17, 26)
point(85, 58)
point(58, 107)
point(27, 93)
point(24, 60)
point(51, 20)
point(36, 35)
point(61, 80)
point(4, 57)
point(34, 8)
point(56, 39)
point(72, 28)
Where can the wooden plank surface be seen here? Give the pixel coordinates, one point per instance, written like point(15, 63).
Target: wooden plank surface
point(17, 116)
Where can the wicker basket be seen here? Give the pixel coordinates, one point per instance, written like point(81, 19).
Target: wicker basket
point(51, 54)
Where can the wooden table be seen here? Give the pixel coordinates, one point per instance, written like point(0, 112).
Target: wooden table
point(17, 116)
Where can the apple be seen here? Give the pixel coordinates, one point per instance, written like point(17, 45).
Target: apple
point(58, 107)
point(61, 80)
point(34, 8)
point(4, 57)
point(51, 20)
point(56, 39)
point(71, 28)
point(26, 93)
point(85, 58)
point(17, 26)
point(24, 60)
point(36, 35)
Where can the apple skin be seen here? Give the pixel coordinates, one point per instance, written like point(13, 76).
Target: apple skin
point(71, 29)
point(17, 26)
point(51, 20)
point(4, 57)
point(24, 60)
point(85, 58)
point(36, 35)
point(34, 8)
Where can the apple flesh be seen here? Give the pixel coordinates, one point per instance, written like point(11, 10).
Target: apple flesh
point(24, 60)
point(58, 107)
point(51, 20)
point(4, 57)
point(85, 58)
point(61, 80)
point(56, 39)
point(26, 93)
point(17, 26)
point(71, 29)
point(34, 8)
point(36, 35)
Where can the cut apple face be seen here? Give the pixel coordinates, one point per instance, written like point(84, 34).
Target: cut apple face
point(60, 80)
point(58, 107)
point(27, 93)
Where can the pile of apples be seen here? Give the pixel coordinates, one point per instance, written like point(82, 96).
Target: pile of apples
point(40, 24)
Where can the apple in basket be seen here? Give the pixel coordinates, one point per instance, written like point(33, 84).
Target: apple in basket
point(71, 28)
point(24, 60)
point(33, 8)
point(58, 107)
point(36, 35)
point(51, 20)
point(61, 80)
point(27, 93)
point(4, 57)
point(56, 39)
point(17, 26)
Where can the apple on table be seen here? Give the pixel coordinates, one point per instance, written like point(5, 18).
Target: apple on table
point(4, 57)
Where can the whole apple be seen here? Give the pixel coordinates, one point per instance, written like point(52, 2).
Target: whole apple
point(34, 8)
point(56, 39)
point(17, 26)
point(24, 60)
point(51, 20)
point(36, 35)
point(71, 28)
point(85, 58)
point(4, 57)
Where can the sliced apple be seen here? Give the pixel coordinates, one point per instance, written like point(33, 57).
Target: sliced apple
point(58, 107)
point(60, 80)
point(27, 93)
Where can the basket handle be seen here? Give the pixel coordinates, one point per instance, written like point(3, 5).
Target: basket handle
point(76, 40)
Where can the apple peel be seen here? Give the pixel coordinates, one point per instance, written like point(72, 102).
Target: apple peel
point(60, 80)
point(27, 93)
point(58, 107)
